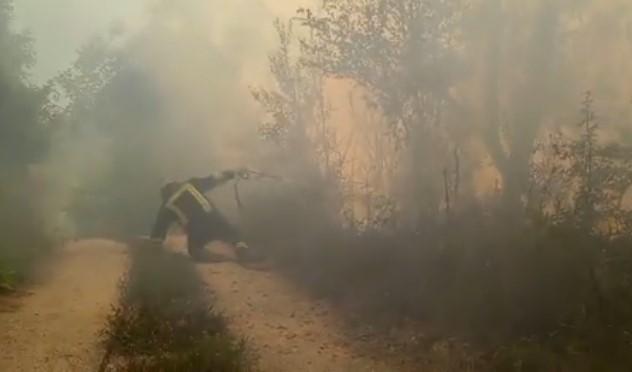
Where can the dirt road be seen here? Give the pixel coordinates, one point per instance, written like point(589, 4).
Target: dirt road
point(55, 326)
point(285, 328)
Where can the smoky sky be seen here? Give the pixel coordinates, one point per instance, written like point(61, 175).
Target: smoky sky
point(59, 28)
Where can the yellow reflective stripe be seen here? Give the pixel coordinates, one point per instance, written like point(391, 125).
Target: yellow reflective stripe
point(181, 216)
point(204, 203)
point(200, 198)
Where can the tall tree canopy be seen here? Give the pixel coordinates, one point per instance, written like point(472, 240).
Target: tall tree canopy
point(22, 132)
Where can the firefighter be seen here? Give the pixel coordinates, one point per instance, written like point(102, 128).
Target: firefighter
point(186, 203)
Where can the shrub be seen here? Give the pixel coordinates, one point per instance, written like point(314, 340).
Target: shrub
point(164, 321)
point(24, 240)
point(484, 275)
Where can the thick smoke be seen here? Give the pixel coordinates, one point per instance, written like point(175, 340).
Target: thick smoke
point(202, 57)
point(189, 66)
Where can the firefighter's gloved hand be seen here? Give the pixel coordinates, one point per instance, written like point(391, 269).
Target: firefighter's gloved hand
point(244, 173)
point(229, 174)
point(242, 249)
point(245, 254)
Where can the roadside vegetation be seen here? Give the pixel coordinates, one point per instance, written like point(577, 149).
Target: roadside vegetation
point(464, 165)
point(501, 221)
point(24, 134)
point(165, 320)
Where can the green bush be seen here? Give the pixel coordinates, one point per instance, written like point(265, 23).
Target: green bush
point(165, 322)
point(24, 240)
point(7, 278)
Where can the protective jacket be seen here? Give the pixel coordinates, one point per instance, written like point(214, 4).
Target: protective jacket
point(186, 203)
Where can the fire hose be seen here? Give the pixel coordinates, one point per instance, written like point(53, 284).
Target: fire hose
point(247, 175)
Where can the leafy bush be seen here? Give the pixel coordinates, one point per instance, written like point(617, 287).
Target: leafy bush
point(7, 278)
point(164, 321)
point(24, 140)
point(24, 240)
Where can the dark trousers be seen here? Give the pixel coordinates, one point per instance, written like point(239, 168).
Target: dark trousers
point(208, 228)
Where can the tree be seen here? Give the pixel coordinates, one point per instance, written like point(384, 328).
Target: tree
point(580, 180)
point(403, 54)
point(23, 135)
point(526, 80)
point(400, 51)
point(23, 142)
point(110, 104)
point(297, 111)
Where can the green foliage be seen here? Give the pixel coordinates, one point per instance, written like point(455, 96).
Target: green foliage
point(23, 142)
point(7, 278)
point(23, 136)
point(17, 51)
point(580, 180)
point(120, 104)
point(24, 240)
point(164, 321)
point(397, 49)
